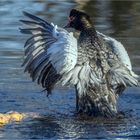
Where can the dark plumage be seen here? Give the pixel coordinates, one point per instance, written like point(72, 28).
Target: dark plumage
point(99, 99)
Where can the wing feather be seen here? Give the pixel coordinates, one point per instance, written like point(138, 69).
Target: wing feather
point(120, 74)
point(118, 49)
point(49, 52)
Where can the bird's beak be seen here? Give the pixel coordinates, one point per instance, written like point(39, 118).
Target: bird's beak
point(70, 19)
point(67, 25)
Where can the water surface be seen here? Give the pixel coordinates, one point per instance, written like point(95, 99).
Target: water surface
point(120, 19)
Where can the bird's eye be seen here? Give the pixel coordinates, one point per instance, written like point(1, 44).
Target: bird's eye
point(71, 18)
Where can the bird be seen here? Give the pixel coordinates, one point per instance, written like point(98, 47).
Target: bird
point(96, 65)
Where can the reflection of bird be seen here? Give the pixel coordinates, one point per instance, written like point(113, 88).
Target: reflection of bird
point(98, 66)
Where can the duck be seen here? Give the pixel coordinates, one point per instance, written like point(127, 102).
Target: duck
point(96, 65)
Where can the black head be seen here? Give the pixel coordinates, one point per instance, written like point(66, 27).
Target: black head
point(78, 20)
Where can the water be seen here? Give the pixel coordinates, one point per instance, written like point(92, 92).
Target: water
point(120, 19)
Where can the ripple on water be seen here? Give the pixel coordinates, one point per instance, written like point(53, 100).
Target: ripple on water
point(58, 119)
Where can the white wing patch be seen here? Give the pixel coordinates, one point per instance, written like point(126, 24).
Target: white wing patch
point(82, 76)
point(118, 49)
point(120, 74)
point(63, 53)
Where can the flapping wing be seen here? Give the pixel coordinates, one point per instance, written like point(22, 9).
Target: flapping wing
point(118, 49)
point(49, 52)
point(120, 75)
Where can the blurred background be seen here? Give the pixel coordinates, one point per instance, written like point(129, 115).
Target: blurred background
point(119, 19)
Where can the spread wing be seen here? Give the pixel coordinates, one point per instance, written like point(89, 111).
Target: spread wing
point(118, 49)
point(49, 52)
point(120, 74)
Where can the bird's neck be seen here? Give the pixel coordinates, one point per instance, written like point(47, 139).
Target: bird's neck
point(88, 34)
point(89, 31)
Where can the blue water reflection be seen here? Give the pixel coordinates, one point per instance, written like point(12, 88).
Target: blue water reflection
point(120, 19)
